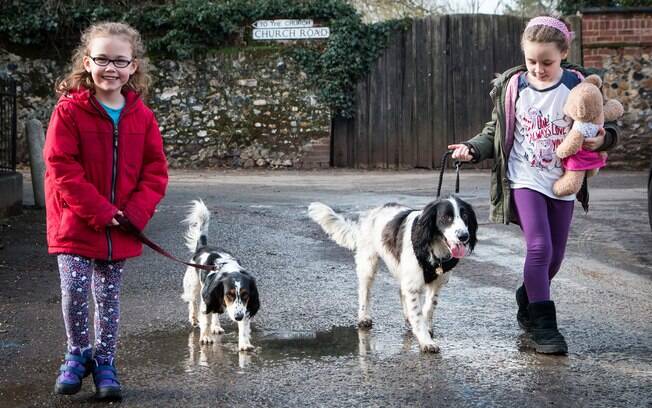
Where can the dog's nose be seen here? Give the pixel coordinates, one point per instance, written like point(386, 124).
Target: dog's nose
point(239, 316)
point(463, 236)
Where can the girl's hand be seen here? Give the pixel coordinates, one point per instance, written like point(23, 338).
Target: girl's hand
point(114, 222)
point(461, 152)
point(594, 143)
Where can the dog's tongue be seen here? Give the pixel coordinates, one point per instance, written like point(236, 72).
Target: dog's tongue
point(458, 251)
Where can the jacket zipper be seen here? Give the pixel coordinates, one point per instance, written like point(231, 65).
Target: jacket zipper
point(114, 174)
point(114, 171)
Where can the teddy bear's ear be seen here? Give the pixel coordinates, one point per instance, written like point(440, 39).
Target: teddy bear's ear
point(594, 79)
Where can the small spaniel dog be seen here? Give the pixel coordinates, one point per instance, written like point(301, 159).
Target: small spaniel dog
point(418, 247)
point(229, 287)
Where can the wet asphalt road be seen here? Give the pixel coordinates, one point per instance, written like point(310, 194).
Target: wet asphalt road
point(308, 350)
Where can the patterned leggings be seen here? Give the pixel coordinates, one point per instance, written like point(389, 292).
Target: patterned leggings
point(78, 275)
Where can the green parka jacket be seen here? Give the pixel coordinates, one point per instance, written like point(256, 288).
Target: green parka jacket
point(496, 138)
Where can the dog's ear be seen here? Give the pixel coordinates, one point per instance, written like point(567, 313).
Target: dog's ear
point(472, 224)
point(253, 304)
point(424, 231)
point(425, 228)
point(213, 294)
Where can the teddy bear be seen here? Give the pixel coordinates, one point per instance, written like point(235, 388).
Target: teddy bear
point(586, 107)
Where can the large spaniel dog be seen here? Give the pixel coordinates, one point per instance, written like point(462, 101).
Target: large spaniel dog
point(419, 247)
point(229, 288)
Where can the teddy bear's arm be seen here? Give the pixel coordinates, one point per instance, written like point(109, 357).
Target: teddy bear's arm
point(613, 110)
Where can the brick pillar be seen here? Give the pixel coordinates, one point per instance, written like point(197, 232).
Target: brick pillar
point(619, 31)
point(619, 43)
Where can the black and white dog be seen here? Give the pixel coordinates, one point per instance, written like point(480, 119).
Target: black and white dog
point(229, 288)
point(418, 247)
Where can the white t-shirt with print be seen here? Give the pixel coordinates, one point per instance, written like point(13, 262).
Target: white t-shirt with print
point(540, 127)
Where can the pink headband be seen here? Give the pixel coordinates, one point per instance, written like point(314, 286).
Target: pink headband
point(551, 22)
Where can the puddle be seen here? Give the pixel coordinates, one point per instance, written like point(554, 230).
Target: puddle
point(289, 345)
point(8, 344)
point(180, 348)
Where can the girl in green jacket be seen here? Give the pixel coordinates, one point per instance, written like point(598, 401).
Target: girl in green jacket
point(528, 123)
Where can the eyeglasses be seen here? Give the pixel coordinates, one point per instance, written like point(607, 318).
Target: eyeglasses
point(118, 63)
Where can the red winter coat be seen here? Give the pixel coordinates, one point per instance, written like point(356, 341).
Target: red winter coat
point(94, 170)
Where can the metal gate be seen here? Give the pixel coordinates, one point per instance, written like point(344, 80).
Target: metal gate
point(8, 126)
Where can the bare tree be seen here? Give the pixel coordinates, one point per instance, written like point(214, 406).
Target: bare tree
point(462, 6)
point(531, 8)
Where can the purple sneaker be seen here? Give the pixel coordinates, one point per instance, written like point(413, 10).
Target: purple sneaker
point(75, 367)
point(107, 386)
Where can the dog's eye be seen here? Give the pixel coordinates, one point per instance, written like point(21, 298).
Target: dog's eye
point(244, 296)
point(230, 295)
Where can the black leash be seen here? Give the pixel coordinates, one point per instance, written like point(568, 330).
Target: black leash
point(444, 163)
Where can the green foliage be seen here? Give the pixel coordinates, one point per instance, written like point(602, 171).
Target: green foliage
point(186, 29)
point(351, 50)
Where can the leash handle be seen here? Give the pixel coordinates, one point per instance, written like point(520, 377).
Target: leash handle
point(128, 227)
point(444, 162)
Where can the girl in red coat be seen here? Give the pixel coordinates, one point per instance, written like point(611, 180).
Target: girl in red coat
point(104, 157)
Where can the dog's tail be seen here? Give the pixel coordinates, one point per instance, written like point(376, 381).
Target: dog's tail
point(344, 232)
point(198, 220)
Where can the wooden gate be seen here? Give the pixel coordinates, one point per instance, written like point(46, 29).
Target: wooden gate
point(429, 89)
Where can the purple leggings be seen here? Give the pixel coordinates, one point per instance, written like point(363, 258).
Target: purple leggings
point(545, 223)
point(78, 275)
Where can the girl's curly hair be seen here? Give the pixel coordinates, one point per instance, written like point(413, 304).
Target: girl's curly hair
point(78, 77)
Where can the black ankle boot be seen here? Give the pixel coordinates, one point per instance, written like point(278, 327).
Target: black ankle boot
point(543, 329)
point(522, 315)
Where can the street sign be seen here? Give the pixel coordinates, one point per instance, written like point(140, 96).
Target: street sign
point(283, 23)
point(291, 33)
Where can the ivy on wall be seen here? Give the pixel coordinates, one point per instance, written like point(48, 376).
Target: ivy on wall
point(185, 29)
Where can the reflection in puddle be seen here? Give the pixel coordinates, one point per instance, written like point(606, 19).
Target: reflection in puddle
point(280, 347)
point(277, 347)
point(180, 348)
point(293, 345)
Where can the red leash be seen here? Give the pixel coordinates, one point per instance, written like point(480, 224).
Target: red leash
point(129, 228)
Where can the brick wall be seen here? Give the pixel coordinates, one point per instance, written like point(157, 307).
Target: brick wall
point(608, 32)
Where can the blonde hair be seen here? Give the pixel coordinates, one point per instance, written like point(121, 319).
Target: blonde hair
point(78, 77)
point(546, 34)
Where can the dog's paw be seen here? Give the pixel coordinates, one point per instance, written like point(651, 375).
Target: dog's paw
point(430, 348)
point(246, 347)
point(207, 339)
point(217, 330)
point(365, 323)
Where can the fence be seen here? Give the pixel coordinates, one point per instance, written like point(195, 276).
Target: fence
point(429, 89)
point(8, 126)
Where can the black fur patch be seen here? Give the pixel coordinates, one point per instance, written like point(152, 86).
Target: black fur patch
point(213, 293)
point(210, 260)
point(468, 215)
point(393, 233)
